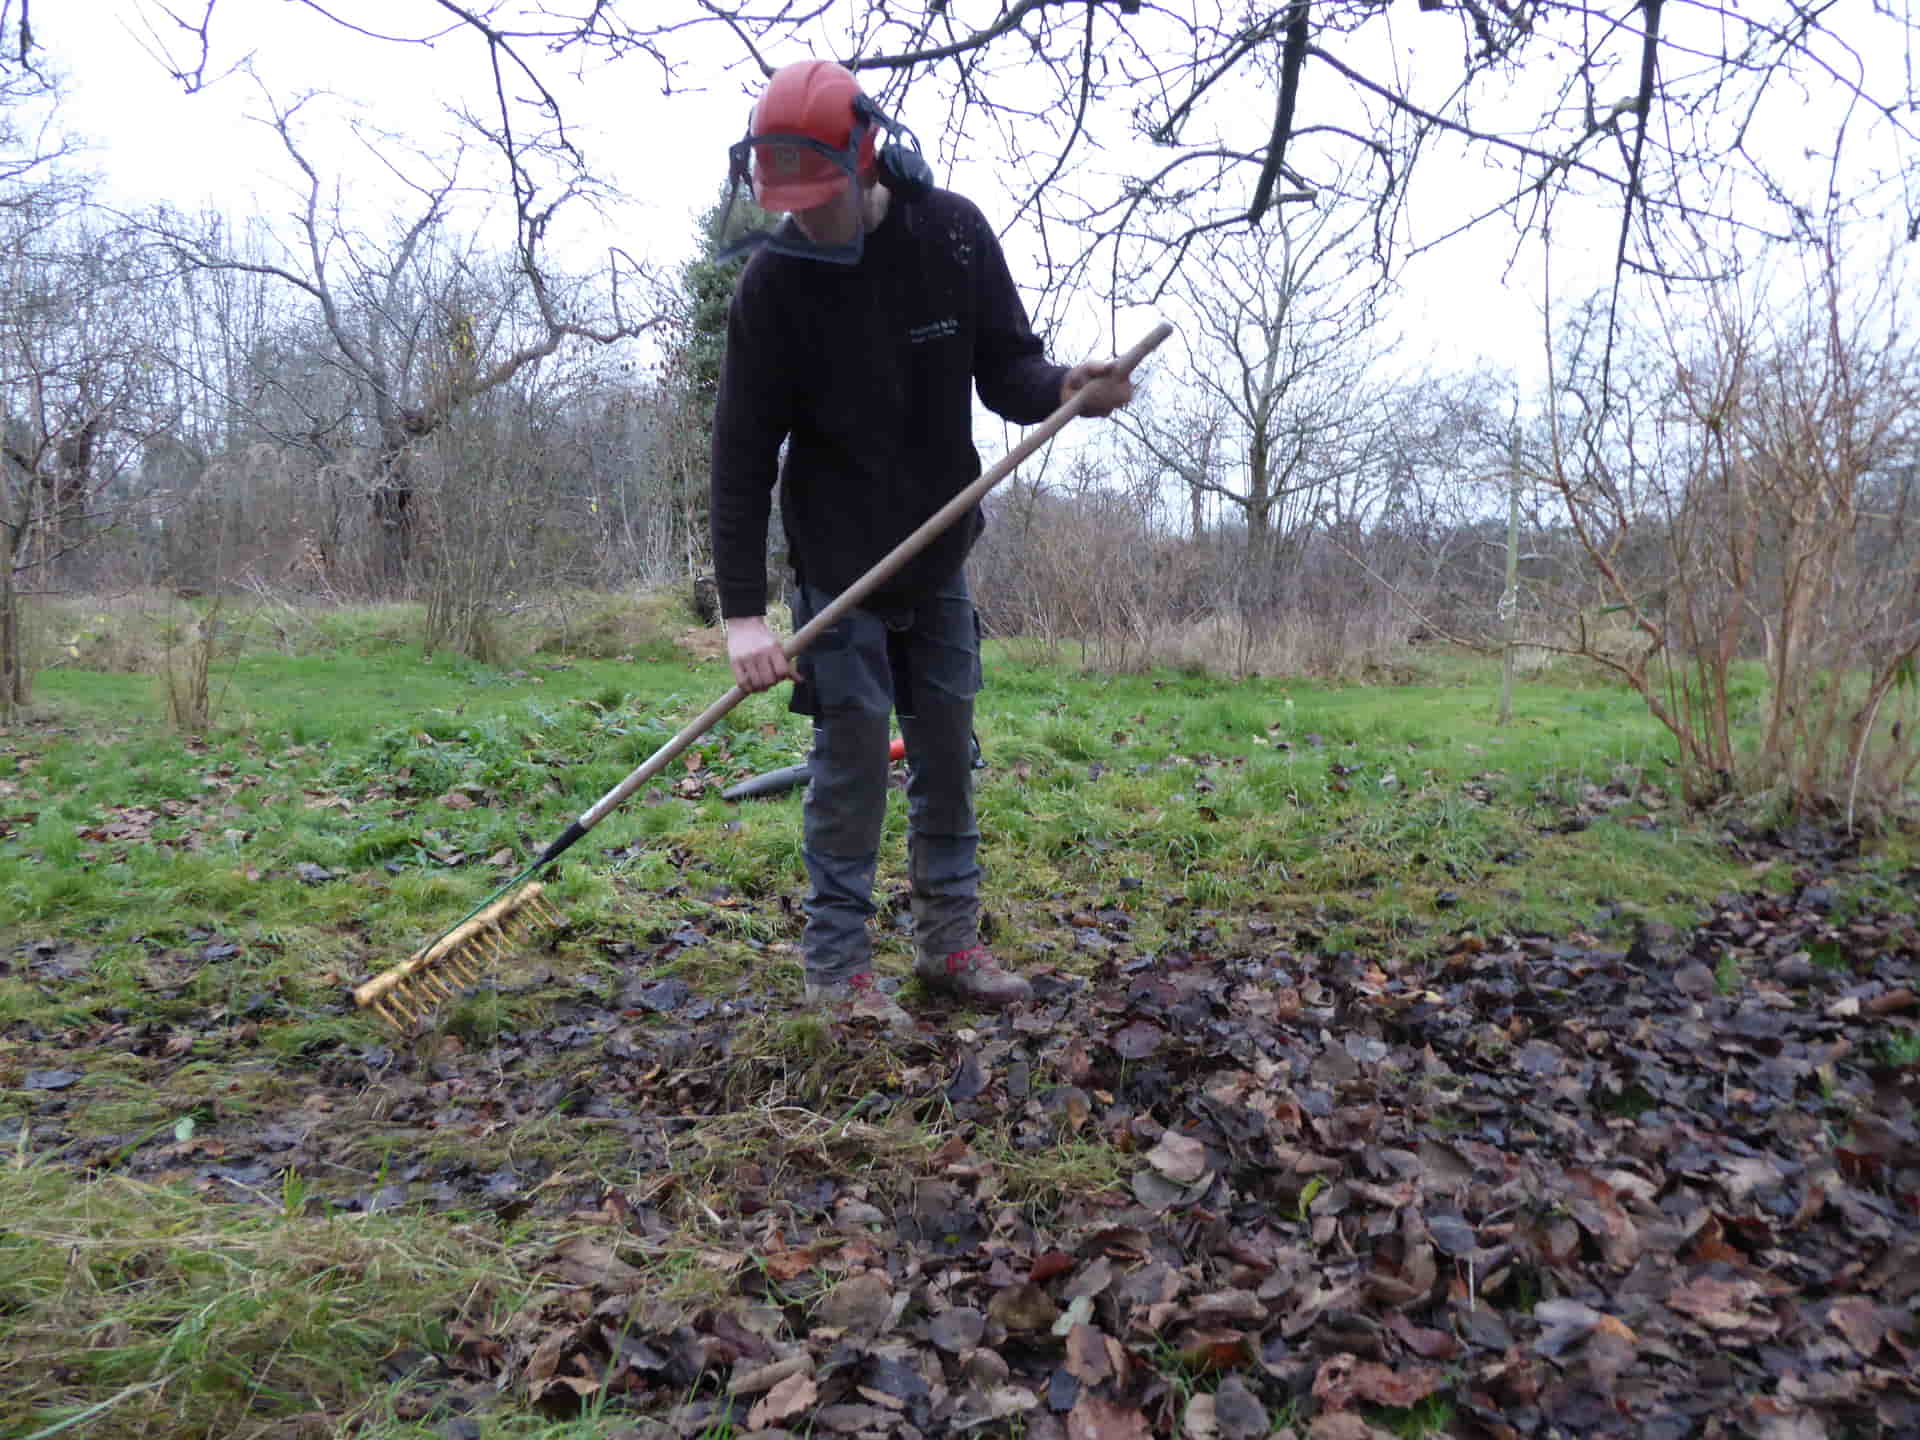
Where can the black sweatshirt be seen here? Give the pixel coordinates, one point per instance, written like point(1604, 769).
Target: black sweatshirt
point(866, 370)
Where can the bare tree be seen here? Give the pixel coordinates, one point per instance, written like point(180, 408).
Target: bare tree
point(1751, 498)
point(1139, 128)
point(76, 360)
point(1277, 411)
point(412, 322)
point(78, 401)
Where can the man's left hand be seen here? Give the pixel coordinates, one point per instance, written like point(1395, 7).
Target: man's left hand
point(1107, 389)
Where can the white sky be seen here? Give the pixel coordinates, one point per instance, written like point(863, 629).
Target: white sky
point(156, 144)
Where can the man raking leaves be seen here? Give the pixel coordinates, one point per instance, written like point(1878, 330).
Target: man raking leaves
point(861, 366)
point(856, 336)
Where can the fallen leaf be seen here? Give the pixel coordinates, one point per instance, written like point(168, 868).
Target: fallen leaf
point(1049, 1265)
point(852, 1419)
point(783, 1264)
point(1097, 1418)
point(583, 1261)
point(1207, 1350)
point(1344, 1426)
point(765, 1377)
point(1864, 1324)
point(1092, 1280)
point(1382, 1385)
point(1719, 1304)
point(1138, 1040)
point(1608, 1354)
point(1002, 1402)
point(1451, 1233)
point(1428, 1344)
point(1079, 1312)
point(957, 1329)
point(1178, 1157)
point(1746, 1174)
point(1086, 1355)
point(1023, 1309)
point(1157, 1193)
point(790, 1397)
point(1794, 1425)
point(862, 1303)
point(1238, 1413)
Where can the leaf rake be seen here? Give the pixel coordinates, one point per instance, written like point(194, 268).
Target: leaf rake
point(407, 995)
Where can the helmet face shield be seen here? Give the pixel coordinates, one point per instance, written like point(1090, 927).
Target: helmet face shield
point(814, 139)
point(793, 172)
point(787, 173)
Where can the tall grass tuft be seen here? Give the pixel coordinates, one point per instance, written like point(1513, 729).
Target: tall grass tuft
point(186, 669)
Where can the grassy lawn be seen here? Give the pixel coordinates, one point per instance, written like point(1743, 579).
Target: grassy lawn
point(234, 1206)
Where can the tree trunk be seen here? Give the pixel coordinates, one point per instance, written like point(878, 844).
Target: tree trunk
point(392, 531)
point(1510, 595)
point(392, 535)
point(15, 683)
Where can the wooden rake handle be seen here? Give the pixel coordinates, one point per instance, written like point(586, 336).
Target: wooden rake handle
point(888, 566)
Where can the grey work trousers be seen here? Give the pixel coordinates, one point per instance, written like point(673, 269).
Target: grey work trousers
point(922, 662)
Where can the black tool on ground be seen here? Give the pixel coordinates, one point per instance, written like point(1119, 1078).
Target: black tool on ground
point(790, 777)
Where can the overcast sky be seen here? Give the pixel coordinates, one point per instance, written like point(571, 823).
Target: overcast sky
point(1463, 304)
point(156, 144)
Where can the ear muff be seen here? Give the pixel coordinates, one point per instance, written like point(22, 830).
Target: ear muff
point(905, 170)
point(900, 165)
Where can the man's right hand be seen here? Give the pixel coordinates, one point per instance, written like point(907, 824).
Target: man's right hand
point(756, 657)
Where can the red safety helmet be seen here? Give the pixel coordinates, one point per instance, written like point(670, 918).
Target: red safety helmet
point(811, 126)
point(813, 133)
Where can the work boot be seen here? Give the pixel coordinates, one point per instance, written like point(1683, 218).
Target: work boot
point(857, 998)
point(973, 975)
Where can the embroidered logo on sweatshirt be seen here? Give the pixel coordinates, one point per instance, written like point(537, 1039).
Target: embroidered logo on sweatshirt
point(944, 329)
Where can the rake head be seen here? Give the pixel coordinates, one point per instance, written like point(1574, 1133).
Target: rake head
point(406, 995)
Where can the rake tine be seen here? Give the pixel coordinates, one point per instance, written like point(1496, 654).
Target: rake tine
point(417, 984)
point(401, 1005)
point(461, 965)
point(450, 976)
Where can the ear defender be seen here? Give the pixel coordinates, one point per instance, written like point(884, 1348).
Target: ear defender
point(901, 166)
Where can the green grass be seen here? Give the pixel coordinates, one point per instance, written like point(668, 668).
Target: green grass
point(1410, 800)
point(350, 761)
point(210, 899)
point(1431, 1417)
point(170, 1312)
